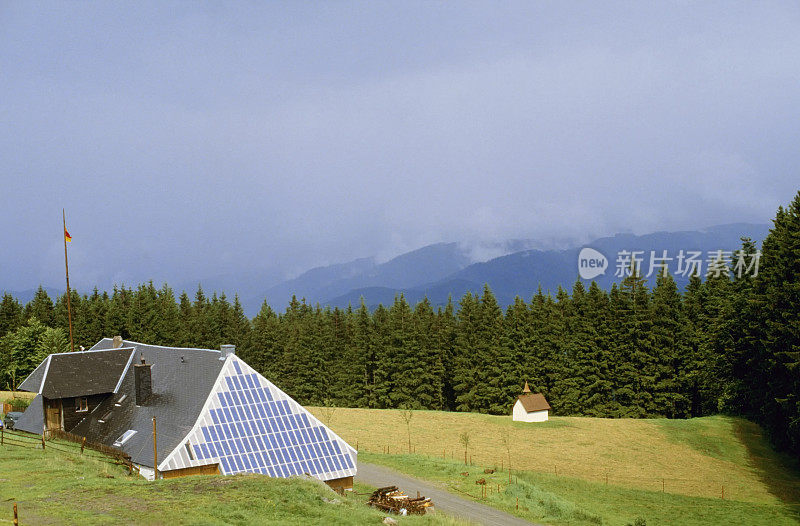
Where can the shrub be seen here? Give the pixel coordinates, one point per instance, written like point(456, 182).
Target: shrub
point(18, 404)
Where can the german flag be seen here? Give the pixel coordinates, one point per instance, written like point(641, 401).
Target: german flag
point(67, 236)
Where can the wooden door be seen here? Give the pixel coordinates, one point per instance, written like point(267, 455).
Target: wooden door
point(52, 411)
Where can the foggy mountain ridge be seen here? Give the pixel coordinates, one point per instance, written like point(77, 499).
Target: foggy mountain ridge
point(443, 270)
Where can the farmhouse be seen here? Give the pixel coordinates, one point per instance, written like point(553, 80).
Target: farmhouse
point(530, 407)
point(213, 413)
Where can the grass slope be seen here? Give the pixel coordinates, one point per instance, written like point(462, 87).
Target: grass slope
point(696, 457)
point(560, 500)
point(64, 487)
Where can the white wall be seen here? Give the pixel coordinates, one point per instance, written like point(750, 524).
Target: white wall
point(520, 415)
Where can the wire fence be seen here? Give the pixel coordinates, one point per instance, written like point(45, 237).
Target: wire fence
point(67, 443)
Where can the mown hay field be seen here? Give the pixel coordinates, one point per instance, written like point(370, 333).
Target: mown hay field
point(718, 457)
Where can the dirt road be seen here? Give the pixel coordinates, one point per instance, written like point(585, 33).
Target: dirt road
point(444, 501)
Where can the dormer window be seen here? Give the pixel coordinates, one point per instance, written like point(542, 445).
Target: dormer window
point(81, 405)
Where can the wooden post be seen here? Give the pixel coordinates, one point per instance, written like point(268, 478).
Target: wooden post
point(155, 451)
point(83, 444)
point(43, 431)
point(517, 502)
point(606, 479)
point(356, 445)
point(663, 484)
point(723, 492)
point(16, 519)
point(66, 267)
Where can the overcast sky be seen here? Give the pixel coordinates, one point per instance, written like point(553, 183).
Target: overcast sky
point(188, 141)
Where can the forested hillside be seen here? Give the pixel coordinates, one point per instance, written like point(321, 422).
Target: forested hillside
point(729, 343)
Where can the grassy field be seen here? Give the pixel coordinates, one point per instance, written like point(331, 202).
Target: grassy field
point(64, 487)
point(559, 500)
point(4, 395)
point(701, 457)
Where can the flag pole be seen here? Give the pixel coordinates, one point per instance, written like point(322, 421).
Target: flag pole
point(66, 266)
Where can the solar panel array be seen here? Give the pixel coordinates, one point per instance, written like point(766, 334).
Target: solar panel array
point(252, 426)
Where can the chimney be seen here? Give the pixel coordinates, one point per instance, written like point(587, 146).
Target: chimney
point(226, 350)
point(117, 343)
point(143, 382)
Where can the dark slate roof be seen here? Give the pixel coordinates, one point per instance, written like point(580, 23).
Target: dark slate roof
point(32, 419)
point(34, 380)
point(65, 375)
point(182, 381)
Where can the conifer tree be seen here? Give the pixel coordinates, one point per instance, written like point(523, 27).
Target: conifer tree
point(445, 331)
point(670, 349)
point(597, 365)
point(11, 314)
point(40, 307)
point(774, 375)
point(636, 365)
point(382, 382)
point(466, 359)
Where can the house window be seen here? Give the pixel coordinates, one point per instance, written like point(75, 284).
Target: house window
point(81, 405)
point(125, 437)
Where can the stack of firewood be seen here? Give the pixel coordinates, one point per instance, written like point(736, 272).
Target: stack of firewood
point(391, 499)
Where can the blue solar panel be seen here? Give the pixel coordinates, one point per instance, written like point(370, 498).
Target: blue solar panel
point(252, 431)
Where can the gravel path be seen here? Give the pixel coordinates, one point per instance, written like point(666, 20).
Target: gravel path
point(449, 503)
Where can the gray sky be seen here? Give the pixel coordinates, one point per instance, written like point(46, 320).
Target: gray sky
point(188, 141)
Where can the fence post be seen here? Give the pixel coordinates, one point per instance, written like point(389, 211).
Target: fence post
point(16, 520)
point(662, 485)
point(43, 430)
point(723, 492)
point(83, 444)
point(517, 502)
